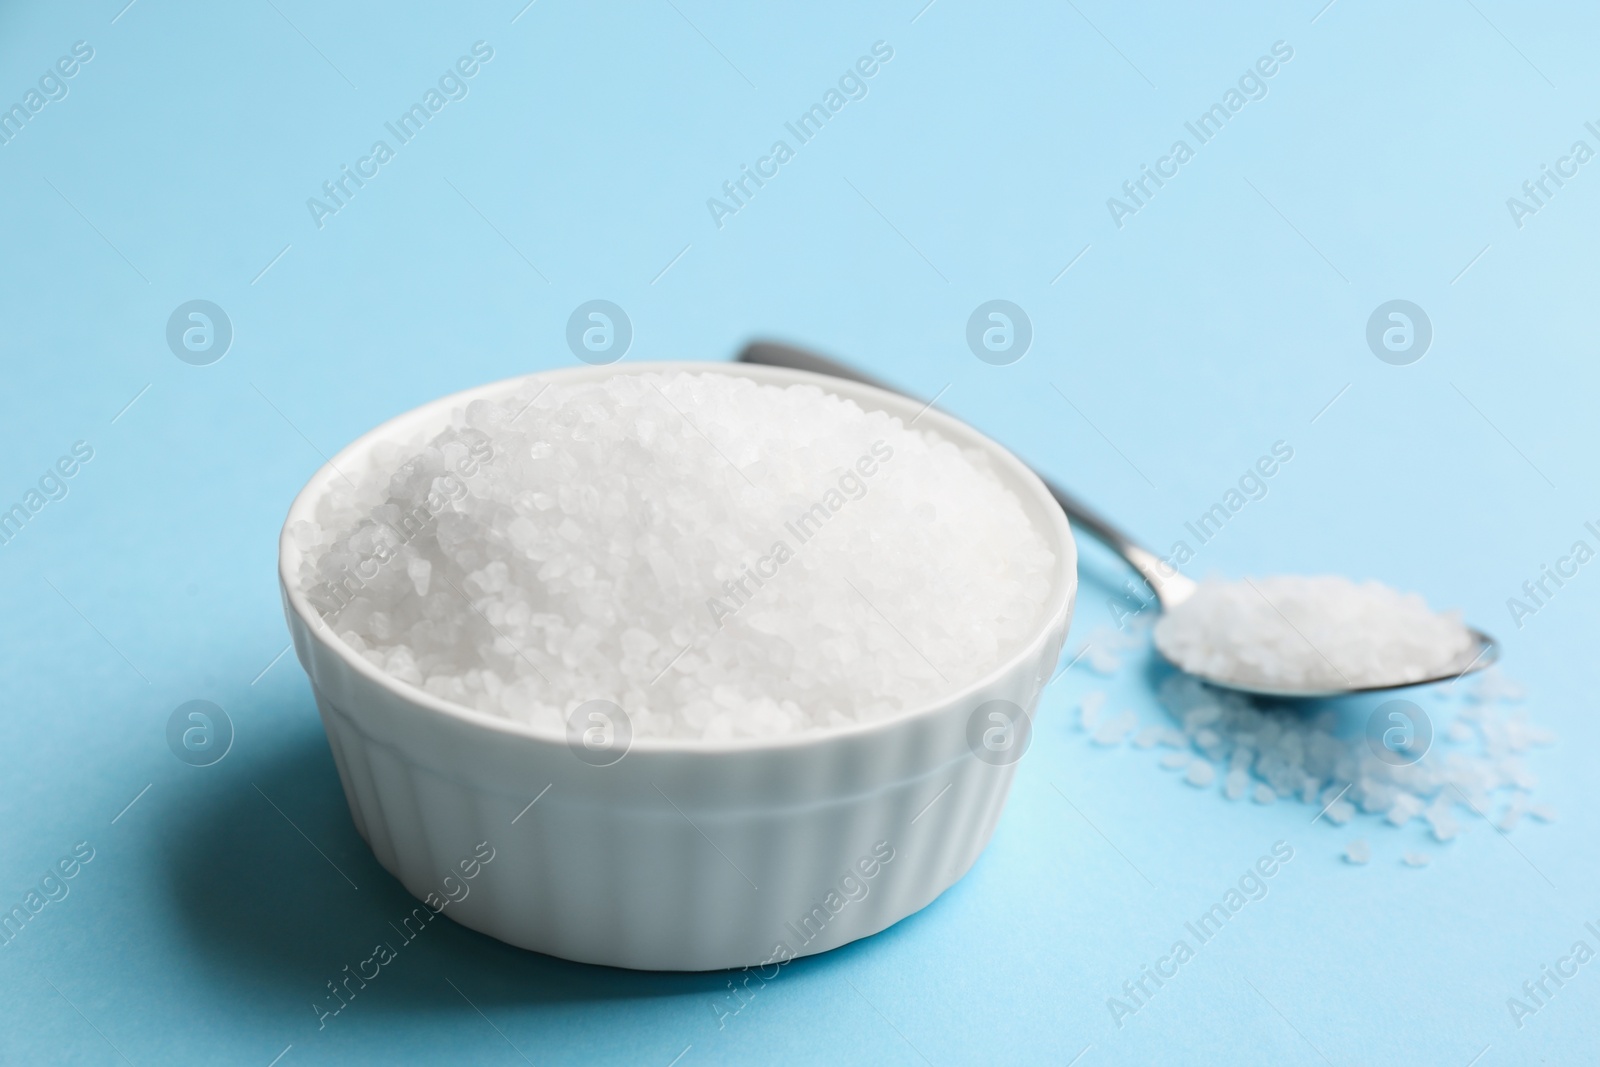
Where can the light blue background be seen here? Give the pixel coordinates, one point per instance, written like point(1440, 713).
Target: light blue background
point(1223, 317)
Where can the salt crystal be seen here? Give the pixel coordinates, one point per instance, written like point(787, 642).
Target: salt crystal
point(1405, 808)
point(1113, 730)
point(1516, 736)
point(1233, 785)
point(1357, 852)
point(1441, 819)
point(419, 571)
point(1375, 797)
point(1491, 686)
point(1311, 634)
point(1514, 811)
point(520, 539)
point(1416, 859)
point(304, 534)
point(1318, 760)
point(1089, 709)
point(1103, 661)
point(1200, 774)
point(1543, 812)
point(1148, 737)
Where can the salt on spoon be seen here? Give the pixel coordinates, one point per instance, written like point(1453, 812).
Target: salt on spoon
point(1285, 636)
point(1293, 634)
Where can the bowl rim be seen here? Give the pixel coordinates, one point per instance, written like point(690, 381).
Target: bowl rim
point(438, 411)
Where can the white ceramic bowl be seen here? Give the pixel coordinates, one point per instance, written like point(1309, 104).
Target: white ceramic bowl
point(684, 855)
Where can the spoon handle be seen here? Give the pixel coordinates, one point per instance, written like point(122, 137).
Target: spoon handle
point(1171, 589)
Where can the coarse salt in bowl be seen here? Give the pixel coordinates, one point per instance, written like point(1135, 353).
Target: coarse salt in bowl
point(646, 832)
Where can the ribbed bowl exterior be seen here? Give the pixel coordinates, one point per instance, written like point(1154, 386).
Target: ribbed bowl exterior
point(677, 857)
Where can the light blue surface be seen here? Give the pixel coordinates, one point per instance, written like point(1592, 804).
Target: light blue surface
point(1223, 316)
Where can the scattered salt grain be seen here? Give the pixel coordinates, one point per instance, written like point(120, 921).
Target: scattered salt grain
point(1357, 852)
point(1089, 709)
point(1317, 760)
point(1519, 773)
point(1377, 798)
point(1495, 688)
point(1514, 811)
point(1405, 808)
point(1310, 634)
point(1416, 859)
point(1444, 826)
point(1113, 730)
point(1148, 737)
point(1171, 738)
point(1103, 661)
point(705, 551)
point(1340, 812)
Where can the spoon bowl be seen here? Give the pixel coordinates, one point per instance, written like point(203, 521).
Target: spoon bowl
point(1484, 652)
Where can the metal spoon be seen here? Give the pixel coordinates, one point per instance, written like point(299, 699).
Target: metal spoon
point(1170, 587)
